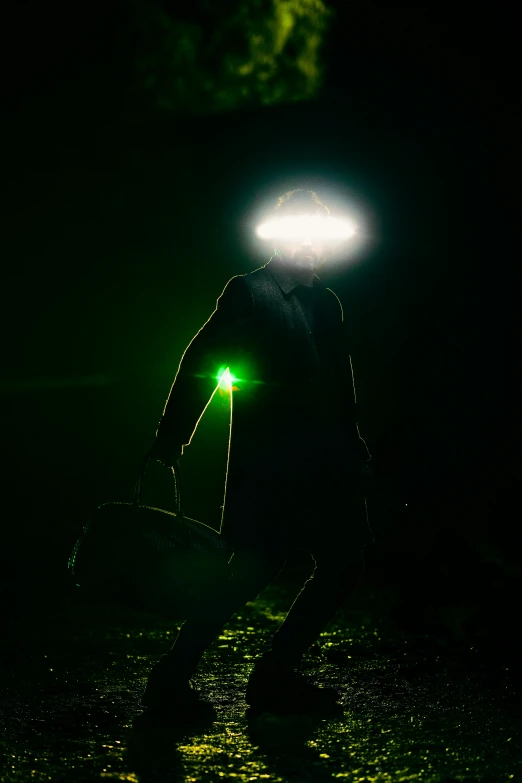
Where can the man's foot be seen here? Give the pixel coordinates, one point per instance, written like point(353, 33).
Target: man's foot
point(174, 697)
point(279, 689)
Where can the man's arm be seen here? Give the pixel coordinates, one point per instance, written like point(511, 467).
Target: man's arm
point(218, 344)
point(352, 425)
point(348, 382)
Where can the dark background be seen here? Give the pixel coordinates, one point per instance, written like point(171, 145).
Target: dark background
point(122, 223)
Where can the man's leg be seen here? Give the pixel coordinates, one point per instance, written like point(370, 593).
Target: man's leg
point(247, 575)
point(333, 581)
point(273, 683)
point(337, 526)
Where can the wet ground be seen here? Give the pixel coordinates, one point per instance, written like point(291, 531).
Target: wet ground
point(417, 706)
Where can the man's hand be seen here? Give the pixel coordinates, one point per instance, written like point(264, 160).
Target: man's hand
point(166, 451)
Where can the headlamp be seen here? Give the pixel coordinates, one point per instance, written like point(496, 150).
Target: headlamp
point(321, 228)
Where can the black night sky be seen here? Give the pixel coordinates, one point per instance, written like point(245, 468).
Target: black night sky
point(123, 221)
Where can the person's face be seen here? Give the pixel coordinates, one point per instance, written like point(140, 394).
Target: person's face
point(304, 254)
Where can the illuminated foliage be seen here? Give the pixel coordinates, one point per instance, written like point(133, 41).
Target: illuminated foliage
point(221, 56)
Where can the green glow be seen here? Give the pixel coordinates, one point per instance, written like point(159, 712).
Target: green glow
point(225, 379)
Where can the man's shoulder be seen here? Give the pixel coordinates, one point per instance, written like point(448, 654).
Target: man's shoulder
point(256, 282)
point(261, 273)
point(331, 303)
point(245, 278)
point(261, 281)
point(332, 298)
point(243, 290)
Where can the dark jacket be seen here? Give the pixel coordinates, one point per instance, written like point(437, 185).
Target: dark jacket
point(285, 345)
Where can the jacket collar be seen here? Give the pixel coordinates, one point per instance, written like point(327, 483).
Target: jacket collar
point(279, 271)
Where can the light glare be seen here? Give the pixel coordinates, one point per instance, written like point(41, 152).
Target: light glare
point(313, 227)
point(226, 380)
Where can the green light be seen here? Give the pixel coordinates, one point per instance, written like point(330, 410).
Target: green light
point(225, 379)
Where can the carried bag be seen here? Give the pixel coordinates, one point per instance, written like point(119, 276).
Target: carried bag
point(146, 558)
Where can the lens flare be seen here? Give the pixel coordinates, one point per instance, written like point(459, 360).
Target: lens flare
point(226, 380)
point(319, 228)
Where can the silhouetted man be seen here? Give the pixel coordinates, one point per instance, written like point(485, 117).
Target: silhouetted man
point(297, 463)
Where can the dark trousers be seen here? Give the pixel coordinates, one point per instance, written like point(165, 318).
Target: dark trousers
point(338, 571)
point(315, 506)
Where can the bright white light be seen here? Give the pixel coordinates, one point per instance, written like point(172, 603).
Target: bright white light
point(322, 228)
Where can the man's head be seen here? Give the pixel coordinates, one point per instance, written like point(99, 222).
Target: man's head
point(304, 252)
